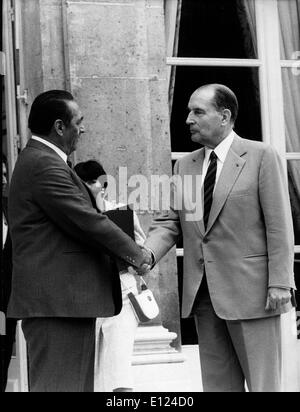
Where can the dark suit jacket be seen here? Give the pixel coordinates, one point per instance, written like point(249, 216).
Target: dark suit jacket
point(6, 266)
point(61, 245)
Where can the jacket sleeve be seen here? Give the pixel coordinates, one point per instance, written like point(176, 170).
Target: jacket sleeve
point(66, 205)
point(165, 229)
point(139, 234)
point(274, 198)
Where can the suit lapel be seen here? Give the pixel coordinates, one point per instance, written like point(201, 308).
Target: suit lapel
point(196, 169)
point(85, 189)
point(36, 144)
point(232, 168)
point(91, 196)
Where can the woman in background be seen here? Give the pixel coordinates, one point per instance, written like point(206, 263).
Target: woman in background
point(114, 335)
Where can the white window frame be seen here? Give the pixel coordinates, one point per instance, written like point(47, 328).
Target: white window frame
point(269, 66)
point(22, 91)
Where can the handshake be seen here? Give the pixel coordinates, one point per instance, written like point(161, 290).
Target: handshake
point(146, 265)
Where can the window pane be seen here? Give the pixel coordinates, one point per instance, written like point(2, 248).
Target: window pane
point(294, 190)
point(291, 94)
point(243, 81)
point(218, 29)
point(289, 18)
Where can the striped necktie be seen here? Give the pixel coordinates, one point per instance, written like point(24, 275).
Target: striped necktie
point(209, 184)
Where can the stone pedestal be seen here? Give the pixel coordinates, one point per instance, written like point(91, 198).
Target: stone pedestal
point(183, 375)
point(153, 345)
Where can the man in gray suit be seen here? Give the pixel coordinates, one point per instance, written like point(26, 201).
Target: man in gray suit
point(238, 257)
point(63, 276)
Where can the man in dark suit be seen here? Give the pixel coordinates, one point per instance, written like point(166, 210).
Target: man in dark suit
point(63, 278)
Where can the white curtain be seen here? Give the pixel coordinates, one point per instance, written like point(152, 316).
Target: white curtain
point(289, 14)
point(172, 24)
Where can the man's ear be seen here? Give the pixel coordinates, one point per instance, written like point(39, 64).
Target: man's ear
point(59, 127)
point(226, 117)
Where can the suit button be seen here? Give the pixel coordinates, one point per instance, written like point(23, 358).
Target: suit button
point(201, 261)
point(205, 240)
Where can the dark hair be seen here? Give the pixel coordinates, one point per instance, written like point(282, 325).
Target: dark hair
point(48, 107)
point(224, 98)
point(4, 159)
point(90, 170)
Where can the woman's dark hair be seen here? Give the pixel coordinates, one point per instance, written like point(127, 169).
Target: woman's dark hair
point(90, 170)
point(4, 159)
point(48, 107)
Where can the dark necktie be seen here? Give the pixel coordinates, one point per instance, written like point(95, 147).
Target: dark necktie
point(209, 184)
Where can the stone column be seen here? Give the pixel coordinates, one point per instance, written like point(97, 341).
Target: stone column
point(43, 46)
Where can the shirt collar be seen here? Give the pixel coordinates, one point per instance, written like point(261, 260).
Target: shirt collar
point(52, 146)
point(222, 149)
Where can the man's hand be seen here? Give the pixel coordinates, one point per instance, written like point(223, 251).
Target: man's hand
point(146, 265)
point(277, 297)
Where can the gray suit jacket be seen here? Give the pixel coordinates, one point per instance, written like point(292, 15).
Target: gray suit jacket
point(248, 245)
point(61, 245)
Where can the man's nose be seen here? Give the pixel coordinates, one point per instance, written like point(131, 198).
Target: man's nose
point(82, 129)
point(189, 119)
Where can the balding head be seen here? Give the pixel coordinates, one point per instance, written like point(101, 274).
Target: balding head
point(222, 98)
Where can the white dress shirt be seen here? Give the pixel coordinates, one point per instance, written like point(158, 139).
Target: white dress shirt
point(221, 152)
point(52, 146)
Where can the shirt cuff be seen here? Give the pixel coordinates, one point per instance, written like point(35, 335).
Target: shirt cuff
point(153, 262)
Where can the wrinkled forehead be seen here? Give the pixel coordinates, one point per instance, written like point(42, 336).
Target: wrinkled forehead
point(202, 98)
